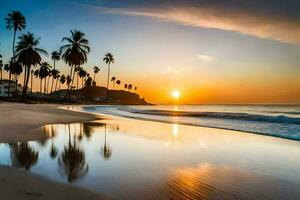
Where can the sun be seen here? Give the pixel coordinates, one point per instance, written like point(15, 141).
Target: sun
point(175, 94)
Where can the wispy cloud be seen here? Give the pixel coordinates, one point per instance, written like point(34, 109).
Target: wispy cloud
point(259, 24)
point(205, 58)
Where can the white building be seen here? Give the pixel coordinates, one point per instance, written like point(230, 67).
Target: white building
point(4, 85)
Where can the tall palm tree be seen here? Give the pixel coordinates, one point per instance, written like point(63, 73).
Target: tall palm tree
point(16, 69)
point(77, 70)
point(44, 73)
point(82, 75)
point(14, 21)
point(108, 59)
point(37, 75)
point(96, 71)
point(57, 79)
point(113, 79)
point(55, 56)
point(75, 51)
point(118, 82)
point(28, 54)
point(55, 74)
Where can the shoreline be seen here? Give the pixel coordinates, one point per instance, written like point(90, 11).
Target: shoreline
point(191, 124)
point(20, 184)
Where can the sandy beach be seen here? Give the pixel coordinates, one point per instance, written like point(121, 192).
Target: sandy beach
point(22, 122)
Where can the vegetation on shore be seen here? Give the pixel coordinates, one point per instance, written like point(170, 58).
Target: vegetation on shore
point(27, 60)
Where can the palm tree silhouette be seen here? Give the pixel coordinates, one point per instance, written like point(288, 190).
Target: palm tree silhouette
point(72, 160)
point(14, 21)
point(54, 73)
point(57, 79)
point(113, 79)
point(37, 75)
point(135, 88)
point(108, 59)
point(28, 55)
point(44, 73)
point(106, 151)
point(75, 52)
point(55, 56)
point(77, 70)
point(118, 82)
point(82, 75)
point(125, 86)
point(129, 87)
point(96, 71)
point(62, 80)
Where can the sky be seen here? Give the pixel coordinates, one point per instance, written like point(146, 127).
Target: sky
point(212, 51)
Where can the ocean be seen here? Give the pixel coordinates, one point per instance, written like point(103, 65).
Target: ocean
point(274, 120)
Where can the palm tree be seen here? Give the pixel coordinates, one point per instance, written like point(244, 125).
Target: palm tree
point(68, 80)
point(37, 75)
point(57, 79)
point(96, 71)
point(28, 54)
point(16, 69)
point(1, 66)
point(44, 73)
point(77, 70)
point(108, 59)
point(14, 21)
point(125, 86)
point(113, 79)
point(82, 75)
point(75, 51)
point(55, 56)
point(62, 80)
point(55, 74)
point(129, 87)
point(118, 82)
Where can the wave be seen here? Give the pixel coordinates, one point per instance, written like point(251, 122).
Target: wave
point(218, 115)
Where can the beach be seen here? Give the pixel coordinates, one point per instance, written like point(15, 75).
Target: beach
point(124, 158)
point(22, 122)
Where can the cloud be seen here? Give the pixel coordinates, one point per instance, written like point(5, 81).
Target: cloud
point(205, 58)
point(256, 22)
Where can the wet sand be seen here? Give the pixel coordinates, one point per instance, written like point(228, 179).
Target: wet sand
point(22, 122)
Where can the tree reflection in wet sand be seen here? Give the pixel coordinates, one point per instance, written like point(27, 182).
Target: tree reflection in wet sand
point(106, 151)
point(23, 155)
point(72, 160)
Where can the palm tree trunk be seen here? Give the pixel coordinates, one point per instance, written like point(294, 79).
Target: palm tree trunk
point(1, 74)
point(77, 81)
point(31, 82)
point(9, 84)
point(55, 84)
point(45, 84)
point(68, 88)
point(108, 80)
point(26, 84)
point(41, 85)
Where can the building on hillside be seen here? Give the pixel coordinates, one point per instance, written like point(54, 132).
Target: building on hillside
point(4, 88)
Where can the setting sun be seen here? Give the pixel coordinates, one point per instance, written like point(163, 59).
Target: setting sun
point(175, 94)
